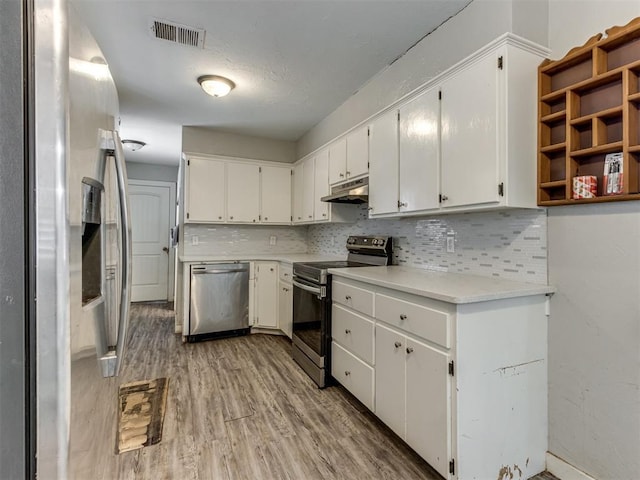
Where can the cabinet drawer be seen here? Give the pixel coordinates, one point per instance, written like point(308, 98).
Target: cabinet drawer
point(286, 272)
point(432, 325)
point(353, 332)
point(354, 375)
point(353, 297)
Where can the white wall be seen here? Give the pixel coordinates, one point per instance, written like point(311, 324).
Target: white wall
point(594, 328)
point(475, 26)
point(147, 171)
point(213, 142)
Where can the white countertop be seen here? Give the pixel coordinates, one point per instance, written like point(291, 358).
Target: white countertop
point(274, 257)
point(448, 287)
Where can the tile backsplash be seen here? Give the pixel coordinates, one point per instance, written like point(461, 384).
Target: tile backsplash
point(511, 244)
point(229, 239)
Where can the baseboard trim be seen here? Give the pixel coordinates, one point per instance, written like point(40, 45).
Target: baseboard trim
point(564, 470)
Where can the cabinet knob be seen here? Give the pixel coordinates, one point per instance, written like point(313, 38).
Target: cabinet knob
point(299, 218)
point(231, 217)
point(324, 214)
point(403, 316)
point(409, 350)
point(347, 373)
point(370, 209)
point(254, 220)
point(348, 173)
point(397, 344)
point(286, 274)
point(347, 331)
point(310, 216)
point(271, 269)
point(341, 175)
point(347, 297)
point(220, 218)
point(266, 218)
point(401, 204)
point(444, 198)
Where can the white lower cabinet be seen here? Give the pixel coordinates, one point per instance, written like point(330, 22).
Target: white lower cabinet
point(285, 307)
point(465, 385)
point(266, 294)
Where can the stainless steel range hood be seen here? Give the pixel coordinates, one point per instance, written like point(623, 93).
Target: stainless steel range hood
point(354, 191)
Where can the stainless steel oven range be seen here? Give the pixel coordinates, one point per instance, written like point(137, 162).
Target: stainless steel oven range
point(312, 303)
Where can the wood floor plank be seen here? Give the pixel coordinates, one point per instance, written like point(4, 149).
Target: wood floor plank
point(237, 409)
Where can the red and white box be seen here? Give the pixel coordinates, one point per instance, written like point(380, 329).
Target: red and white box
point(585, 186)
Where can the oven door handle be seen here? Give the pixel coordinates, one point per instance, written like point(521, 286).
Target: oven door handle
point(321, 292)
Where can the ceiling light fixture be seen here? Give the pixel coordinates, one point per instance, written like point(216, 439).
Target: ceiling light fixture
point(215, 85)
point(132, 145)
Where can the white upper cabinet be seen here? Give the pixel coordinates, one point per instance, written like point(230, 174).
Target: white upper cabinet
point(275, 194)
point(243, 192)
point(321, 186)
point(357, 152)
point(338, 161)
point(308, 183)
point(419, 153)
point(205, 192)
point(384, 165)
point(489, 113)
point(470, 134)
point(298, 192)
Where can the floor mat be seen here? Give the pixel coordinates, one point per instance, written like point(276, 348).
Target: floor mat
point(141, 407)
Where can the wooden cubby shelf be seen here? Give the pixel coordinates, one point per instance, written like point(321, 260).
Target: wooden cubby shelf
point(589, 107)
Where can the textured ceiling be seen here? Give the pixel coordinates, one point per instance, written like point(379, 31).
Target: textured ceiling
point(293, 61)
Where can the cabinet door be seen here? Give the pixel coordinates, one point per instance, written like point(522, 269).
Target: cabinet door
point(358, 152)
point(243, 192)
point(390, 378)
point(470, 134)
point(383, 166)
point(275, 190)
point(285, 308)
point(308, 183)
point(321, 183)
point(266, 294)
point(205, 191)
point(338, 161)
point(298, 192)
point(428, 429)
point(419, 153)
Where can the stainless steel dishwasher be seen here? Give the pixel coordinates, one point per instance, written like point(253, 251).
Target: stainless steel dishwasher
point(219, 305)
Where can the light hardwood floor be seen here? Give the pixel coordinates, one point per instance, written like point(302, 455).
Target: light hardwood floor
point(238, 408)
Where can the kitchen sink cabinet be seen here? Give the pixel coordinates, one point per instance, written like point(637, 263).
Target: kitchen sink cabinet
point(464, 384)
point(275, 195)
point(266, 294)
point(205, 198)
point(243, 192)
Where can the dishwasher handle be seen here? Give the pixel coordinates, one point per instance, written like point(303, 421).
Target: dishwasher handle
point(203, 270)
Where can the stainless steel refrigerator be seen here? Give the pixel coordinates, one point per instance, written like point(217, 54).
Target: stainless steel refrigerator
point(65, 232)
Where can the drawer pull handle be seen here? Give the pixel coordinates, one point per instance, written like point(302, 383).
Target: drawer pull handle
point(403, 317)
point(347, 297)
point(347, 373)
point(347, 331)
point(409, 350)
point(397, 344)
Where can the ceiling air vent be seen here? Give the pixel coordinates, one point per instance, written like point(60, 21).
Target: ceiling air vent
point(176, 33)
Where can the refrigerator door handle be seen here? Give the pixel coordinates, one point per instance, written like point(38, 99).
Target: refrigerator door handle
point(112, 361)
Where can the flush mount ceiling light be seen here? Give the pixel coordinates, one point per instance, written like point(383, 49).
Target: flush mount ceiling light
point(215, 85)
point(132, 145)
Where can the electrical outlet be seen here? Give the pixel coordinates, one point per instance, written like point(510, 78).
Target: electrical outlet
point(272, 240)
point(194, 240)
point(451, 244)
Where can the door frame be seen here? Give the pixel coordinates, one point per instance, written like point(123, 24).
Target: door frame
point(172, 223)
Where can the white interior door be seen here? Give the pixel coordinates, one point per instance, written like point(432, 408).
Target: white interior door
point(150, 204)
